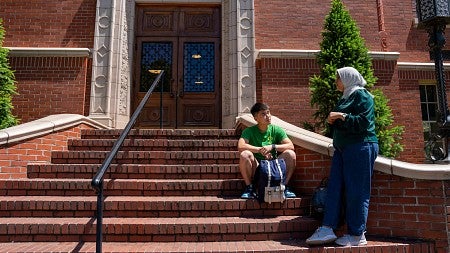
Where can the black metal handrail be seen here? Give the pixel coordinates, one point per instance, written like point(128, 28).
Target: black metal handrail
point(97, 181)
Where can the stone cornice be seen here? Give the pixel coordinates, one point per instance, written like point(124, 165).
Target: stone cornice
point(311, 54)
point(48, 52)
point(428, 66)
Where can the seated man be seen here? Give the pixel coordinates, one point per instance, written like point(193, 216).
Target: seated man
point(264, 141)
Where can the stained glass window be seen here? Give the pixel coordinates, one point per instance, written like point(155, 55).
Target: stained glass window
point(155, 56)
point(198, 74)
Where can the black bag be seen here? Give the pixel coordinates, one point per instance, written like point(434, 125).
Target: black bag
point(270, 179)
point(318, 199)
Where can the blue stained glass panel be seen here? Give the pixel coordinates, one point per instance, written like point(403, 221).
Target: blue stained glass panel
point(198, 67)
point(156, 56)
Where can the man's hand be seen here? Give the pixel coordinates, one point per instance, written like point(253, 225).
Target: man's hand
point(266, 152)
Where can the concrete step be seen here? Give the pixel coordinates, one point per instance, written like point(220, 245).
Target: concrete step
point(138, 206)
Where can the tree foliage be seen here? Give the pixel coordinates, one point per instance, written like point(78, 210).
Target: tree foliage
point(7, 86)
point(342, 46)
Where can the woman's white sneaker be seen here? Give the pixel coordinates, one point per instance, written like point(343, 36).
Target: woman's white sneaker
point(322, 235)
point(351, 240)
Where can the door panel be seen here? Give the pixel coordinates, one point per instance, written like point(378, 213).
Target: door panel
point(199, 104)
point(185, 42)
point(156, 55)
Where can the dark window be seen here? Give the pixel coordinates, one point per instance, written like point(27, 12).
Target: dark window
point(428, 103)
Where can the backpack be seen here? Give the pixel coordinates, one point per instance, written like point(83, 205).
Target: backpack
point(271, 180)
point(318, 199)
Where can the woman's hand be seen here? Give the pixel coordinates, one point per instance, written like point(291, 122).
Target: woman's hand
point(333, 116)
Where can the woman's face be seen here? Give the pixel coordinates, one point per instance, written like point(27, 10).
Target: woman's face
point(339, 84)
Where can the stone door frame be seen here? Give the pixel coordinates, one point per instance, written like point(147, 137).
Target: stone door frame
point(113, 59)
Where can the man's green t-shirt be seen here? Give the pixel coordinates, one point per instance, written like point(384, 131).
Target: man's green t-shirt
point(273, 135)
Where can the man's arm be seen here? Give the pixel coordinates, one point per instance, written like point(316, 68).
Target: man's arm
point(264, 151)
point(286, 144)
point(243, 144)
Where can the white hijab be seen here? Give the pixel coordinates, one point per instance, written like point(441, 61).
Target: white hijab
point(352, 80)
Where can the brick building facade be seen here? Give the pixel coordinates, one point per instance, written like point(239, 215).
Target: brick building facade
point(80, 57)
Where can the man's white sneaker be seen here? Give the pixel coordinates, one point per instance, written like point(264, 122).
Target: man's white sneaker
point(351, 240)
point(322, 235)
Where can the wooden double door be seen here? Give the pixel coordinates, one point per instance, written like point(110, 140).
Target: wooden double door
point(184, 42)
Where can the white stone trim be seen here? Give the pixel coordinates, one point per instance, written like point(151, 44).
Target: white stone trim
point(48, 52)
point(419, 66)
point(388, 56)
point(46, 125)
point(287, 53)
point(312, 54)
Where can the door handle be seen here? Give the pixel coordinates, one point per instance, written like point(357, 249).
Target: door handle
point(180, 91)
point(172, 94)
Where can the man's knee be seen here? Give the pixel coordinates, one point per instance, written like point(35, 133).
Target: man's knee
point(246, 155)
point(289, 156)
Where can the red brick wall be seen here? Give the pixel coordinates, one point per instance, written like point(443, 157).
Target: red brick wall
point(284, 85)
point(15, 157)
point(50, 85)
point(413, 208)
point(294, 25)
point(41, 23)
point(399, 207)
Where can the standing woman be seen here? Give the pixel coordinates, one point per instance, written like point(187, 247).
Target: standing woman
point(352, 124)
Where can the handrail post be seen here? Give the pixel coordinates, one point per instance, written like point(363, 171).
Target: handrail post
point(161, 103)
point(99, 231)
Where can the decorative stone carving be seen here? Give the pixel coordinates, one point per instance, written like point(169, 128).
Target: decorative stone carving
point(113, 57)
point(100, 70)
point(246, 45)
point(111, 71)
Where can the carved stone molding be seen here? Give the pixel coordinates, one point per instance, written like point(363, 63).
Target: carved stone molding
point(246, 59)
point(112, 68)
point(101, 58)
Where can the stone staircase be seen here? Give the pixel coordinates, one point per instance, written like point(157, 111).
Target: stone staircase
point(167, 191)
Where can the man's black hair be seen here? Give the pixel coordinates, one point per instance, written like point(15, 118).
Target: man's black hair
point(258, 107)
